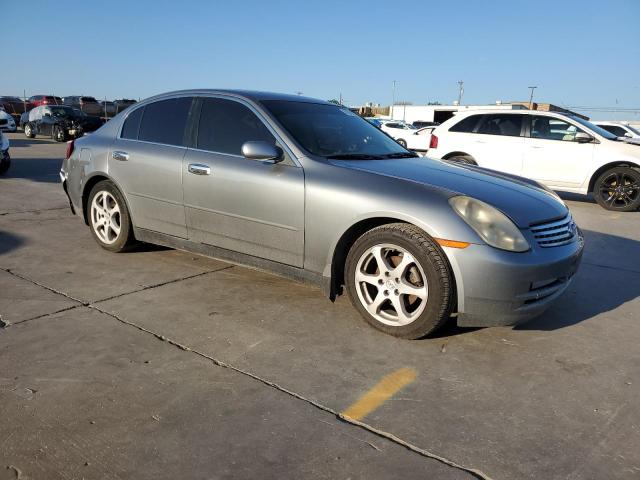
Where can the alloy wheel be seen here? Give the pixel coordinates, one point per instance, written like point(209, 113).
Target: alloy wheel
point(391, 284)
point(105, 217)
point(619, 189)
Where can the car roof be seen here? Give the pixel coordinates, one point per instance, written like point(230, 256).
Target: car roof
point(256, 96)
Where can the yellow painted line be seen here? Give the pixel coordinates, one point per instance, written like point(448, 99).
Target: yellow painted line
point(385, 389)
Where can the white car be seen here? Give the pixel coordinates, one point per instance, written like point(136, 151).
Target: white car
point(621, 130)
point(561, 151)
point(407, 135)
point(7, 123)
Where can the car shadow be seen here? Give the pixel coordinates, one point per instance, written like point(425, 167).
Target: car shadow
point(576, 197)
point(27, 142)
point(608, 277)
point(35, 169)
point(9, 241)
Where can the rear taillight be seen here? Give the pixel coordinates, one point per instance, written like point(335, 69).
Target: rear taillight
point(70, 147)
point(434, 142)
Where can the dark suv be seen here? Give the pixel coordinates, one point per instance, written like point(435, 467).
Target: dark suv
point(88, 105)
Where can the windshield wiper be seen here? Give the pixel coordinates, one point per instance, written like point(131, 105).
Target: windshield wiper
point(354, 156)
point(401, 155)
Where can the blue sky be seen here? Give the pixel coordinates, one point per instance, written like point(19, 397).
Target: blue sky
point(578, 53)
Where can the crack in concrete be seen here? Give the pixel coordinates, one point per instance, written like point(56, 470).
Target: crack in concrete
point(15, 212)
point(82, 303)
point(376, 431)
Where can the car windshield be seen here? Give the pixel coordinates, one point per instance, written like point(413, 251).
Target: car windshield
point(599, 130)
point(62, 112)
point(332, 131)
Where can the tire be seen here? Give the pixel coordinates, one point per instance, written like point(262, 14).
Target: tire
point(103, 221)
point(402, 142)
point(415, 315)
point(618, 189)
point(28, 131)
point(58, 134)
point(5, 163)
point(463, 159)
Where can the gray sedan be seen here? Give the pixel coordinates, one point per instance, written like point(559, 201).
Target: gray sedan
point(309, 190)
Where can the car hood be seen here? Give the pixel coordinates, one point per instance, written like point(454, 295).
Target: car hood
point(522, 201)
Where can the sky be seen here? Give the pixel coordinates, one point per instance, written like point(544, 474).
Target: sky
point(580, 53)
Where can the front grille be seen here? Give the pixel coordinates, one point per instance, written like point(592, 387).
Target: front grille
point(554, 234)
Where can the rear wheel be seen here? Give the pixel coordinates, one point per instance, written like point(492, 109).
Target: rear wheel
point(109, 218)
point(402, 142)
point(28, 131)
point(399, 281)
point(618, 189)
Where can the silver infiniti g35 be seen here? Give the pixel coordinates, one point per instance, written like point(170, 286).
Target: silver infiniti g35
point(309, 190)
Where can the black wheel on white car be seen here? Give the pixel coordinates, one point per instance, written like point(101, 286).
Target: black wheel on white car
point(28, 131)
point(399, 280)
point(402, 142)
point(463, 159)
point(618, 189)
point(109, 218)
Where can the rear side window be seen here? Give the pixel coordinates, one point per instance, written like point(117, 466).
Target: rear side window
point(505, 124)
point(132, 125)
point(466, 125)
point(225, 125)
point(165, 121)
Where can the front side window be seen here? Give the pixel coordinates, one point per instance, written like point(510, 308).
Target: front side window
point(501, 124)
point(165, 121)
point(225, 125)
point(550, 128)
point(332, 131)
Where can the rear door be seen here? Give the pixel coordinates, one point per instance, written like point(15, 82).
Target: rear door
point(146, 162)
point(498, 142)
point(553, 157)
point(247, 206)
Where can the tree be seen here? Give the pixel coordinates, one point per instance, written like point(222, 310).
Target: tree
point(333, 100)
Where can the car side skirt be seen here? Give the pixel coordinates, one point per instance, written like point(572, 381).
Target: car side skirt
point(237, 258)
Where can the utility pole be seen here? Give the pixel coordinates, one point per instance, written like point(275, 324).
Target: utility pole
point(460, 91)
point(531, 97)
point(393, 103)
point(340, 98)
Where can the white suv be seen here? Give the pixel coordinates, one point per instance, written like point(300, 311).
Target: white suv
point(562, 151)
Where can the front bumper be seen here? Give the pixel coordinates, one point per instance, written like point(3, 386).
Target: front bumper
point(496, 287)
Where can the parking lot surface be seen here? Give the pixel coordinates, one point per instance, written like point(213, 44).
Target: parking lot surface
point(163, 364)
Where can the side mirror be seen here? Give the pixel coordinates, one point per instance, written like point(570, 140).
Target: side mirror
point(582, 137)
point(263, 151)
point(628, 135)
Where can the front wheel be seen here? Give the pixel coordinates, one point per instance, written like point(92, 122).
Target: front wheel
point(402, 142)
point(28, 131)
point(618, 189)
point(399, 281)
point(109, 218)
point(58, 134)
point(463, 159)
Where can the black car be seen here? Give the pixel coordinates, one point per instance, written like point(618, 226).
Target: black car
point(60, 122)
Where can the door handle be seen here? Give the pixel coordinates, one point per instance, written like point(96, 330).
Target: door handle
point(199, 169)
point(121, 156)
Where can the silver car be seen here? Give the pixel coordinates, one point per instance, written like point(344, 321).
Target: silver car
point(311, 191)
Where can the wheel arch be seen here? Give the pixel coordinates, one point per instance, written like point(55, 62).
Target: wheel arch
point(88, 186)
point(355, 231)
point(457, 154)
point(604, 168)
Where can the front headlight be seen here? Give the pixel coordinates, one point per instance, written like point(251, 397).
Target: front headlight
point(493, 226)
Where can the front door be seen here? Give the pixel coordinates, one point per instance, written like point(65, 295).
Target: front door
point(553, 157)
point(247, 206)
point(146, 162)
